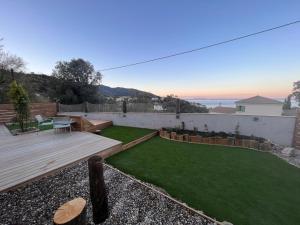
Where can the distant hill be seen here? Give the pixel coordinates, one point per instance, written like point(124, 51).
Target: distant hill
point(43, 88)
point(39, 87)
point(120, 91)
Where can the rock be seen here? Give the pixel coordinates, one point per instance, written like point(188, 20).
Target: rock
point(297, 152)
point(288, 151)
point(277, 148)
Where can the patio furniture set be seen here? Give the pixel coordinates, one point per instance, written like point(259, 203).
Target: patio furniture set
point(59, 123)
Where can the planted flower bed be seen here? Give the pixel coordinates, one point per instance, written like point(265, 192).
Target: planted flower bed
point(216, 138)
point(30, 126)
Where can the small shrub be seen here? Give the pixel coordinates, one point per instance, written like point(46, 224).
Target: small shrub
point(124, 108)
point(237, 130)
point(182, 125)
point(195, 130)
point(205, 128)
point(20, 100)
point(222, 134)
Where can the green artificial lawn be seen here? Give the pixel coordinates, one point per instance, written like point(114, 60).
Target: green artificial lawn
point(125, 134)
point(14, 126)
point(233, 184)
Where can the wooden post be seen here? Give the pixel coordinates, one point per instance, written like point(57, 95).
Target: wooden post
point(12, 74)
point(97, 189)
point(86, 107)
point(124, 108)
point(71, 213)
point(177, 108)
point(57, 107)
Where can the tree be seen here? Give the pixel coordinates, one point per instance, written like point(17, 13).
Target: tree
point(77, 71)
point(20, 100)
point(296, 92)
point(1, 46)
point(77, 82)
point(287, 102)
point(9, 61)
point(171, 103)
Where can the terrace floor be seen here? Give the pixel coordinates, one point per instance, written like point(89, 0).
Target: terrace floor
point(30, 156)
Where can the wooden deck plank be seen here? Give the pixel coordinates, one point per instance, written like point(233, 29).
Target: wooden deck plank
point(26, 157)
point(53, 156)
point(4, 132)
point(35, 176)
point(34, 161)
point(24, 173)
point(94, 125)
point(97, 122)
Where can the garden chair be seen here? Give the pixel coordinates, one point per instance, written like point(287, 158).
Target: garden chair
point(62, 123)
point(42, 121)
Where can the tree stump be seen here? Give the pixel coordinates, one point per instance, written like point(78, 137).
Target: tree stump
point(97, 190)
point(71, 213)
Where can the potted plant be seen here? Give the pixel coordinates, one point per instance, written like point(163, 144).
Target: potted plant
point(173, 135)
point(196, 138)
point(186, 137)
point(179, 137)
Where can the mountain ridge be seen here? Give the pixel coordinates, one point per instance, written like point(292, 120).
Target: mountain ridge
point(122, 91)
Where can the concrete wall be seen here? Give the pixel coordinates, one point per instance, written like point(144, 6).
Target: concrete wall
point(279, 129)
point(261, 109)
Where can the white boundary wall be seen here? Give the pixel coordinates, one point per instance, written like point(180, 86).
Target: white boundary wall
point(278, 129)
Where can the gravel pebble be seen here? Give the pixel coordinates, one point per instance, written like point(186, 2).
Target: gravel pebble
point(129, 201)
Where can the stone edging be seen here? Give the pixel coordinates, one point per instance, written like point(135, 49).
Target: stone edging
point(200, 213)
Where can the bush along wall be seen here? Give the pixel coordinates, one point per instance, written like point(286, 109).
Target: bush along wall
point(216, 138)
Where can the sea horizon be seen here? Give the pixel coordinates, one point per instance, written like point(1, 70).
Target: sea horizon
point(214, 102)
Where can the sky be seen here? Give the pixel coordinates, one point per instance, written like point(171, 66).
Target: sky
point(112, 33)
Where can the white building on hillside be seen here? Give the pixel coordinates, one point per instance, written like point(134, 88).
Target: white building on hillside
point(259, 105)
point(154, 99)
point(122, 98)
point(158, 107)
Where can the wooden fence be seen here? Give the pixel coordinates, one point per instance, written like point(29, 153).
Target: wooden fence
point(7, 112)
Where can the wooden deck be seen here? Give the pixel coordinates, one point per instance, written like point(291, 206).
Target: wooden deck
point(94, 125)
point(30, 156)
point(4, 133)
point(83, 123)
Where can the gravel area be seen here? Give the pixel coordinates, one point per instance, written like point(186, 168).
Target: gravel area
point(129, 201)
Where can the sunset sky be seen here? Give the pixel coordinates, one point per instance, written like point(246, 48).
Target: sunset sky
point(112, 33)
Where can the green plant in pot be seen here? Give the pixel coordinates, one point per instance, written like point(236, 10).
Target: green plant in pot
point(237, 135)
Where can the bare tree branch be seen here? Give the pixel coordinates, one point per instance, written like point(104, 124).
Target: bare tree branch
point(9, 61)
point(1, 46)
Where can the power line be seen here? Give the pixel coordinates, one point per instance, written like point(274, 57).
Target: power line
point(201, 48)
